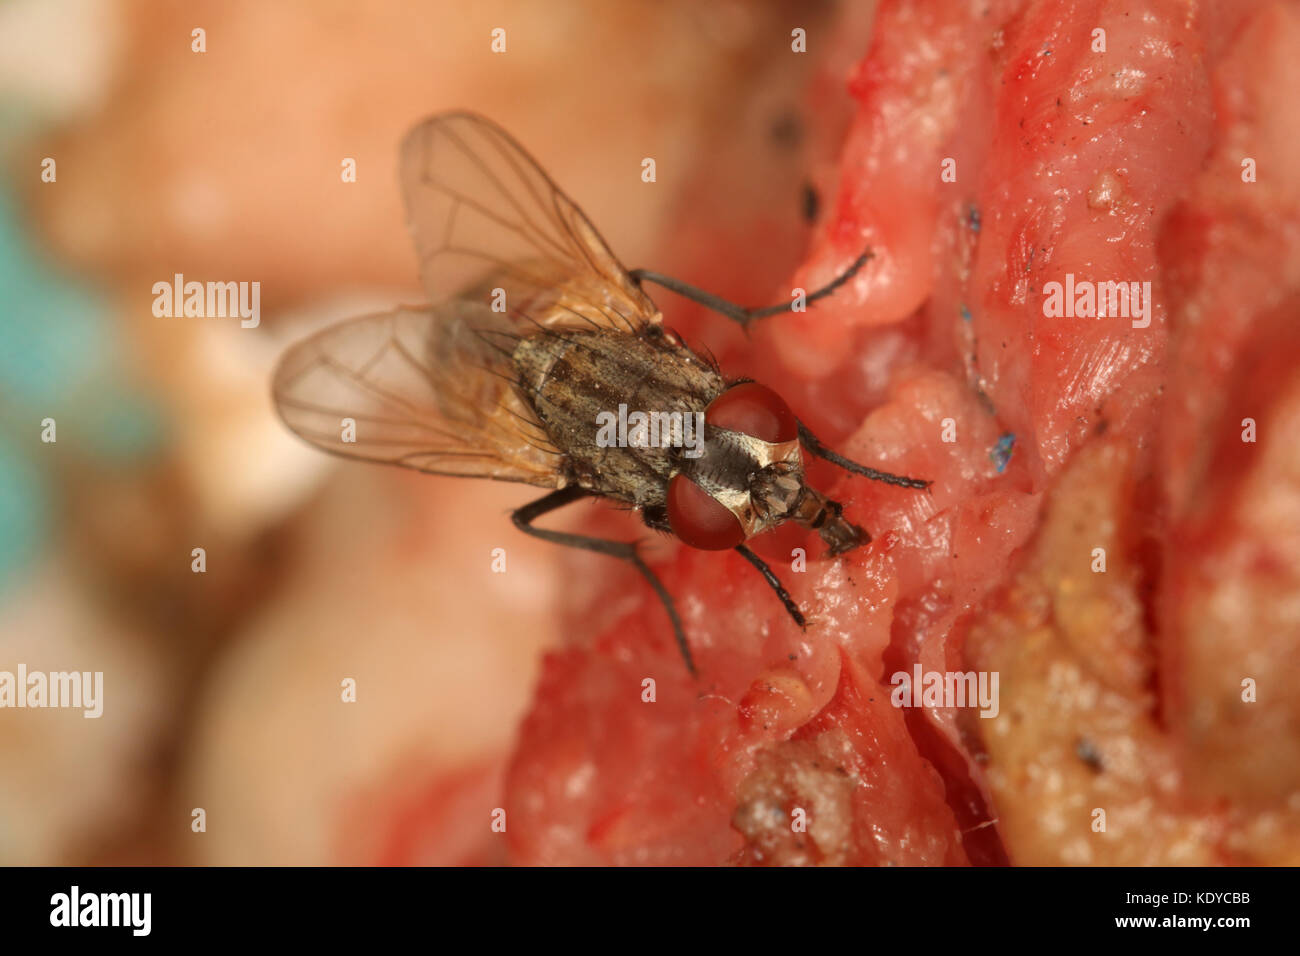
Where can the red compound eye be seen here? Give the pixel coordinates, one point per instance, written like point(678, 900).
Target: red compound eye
point(698, 519)
point(754, 410)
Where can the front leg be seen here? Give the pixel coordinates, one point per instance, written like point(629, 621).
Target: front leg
point(775, 584)
point(657, 518)
point(814, 445)
point(738, 313)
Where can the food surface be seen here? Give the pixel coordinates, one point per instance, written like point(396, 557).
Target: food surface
point(1079, 322)
point(1108, 532)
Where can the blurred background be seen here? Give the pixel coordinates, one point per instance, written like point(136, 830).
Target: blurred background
point(222, 688)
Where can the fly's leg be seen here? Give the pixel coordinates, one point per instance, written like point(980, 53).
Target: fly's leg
point(657, 518)
point(814, 445)
point(525, 516)
point(791, 608)
point(738, 313)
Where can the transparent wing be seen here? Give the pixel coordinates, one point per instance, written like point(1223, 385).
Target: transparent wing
point(485, 216)
point(426, 388)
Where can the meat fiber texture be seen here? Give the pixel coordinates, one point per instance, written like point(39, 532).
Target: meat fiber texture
point(1114, 524)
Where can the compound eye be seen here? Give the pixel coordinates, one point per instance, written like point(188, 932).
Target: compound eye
point(699, 519)
point(755, 410)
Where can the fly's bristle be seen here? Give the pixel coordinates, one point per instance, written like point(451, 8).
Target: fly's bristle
point(524, 316)
point(539, 438)
point(512, 379)
point(590, 321)
point(545, 450)
point(501, 333)
point(626, 321)
point(710, 359)
point(483, 336)
point(568, 336)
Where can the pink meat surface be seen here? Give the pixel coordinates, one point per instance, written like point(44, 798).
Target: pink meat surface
point(1100, 140)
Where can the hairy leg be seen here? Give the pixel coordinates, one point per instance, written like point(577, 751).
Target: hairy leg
point(738, 313)
point(791, 608)
point(525, 516)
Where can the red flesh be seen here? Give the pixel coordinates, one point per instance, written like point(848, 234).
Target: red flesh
point(1116, 165)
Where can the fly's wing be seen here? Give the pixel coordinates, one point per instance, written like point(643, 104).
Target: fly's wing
point(485, 217)
point(425, 388)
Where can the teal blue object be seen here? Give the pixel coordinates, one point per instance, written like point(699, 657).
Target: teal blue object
point(58, 357)
point(52, 335)
point(24, 511)
point(1001, 453)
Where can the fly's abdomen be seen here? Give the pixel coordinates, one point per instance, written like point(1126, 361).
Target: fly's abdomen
point(622, 408)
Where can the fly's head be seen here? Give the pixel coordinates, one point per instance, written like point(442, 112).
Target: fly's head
point(748, 477)
point(776, 489)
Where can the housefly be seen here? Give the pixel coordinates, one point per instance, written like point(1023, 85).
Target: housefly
point(535, 334)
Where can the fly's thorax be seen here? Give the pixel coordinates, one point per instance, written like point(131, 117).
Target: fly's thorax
point(588, 386)
point(650, 371)
point(759, 482)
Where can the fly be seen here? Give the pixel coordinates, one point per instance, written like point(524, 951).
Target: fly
point(535, 334)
